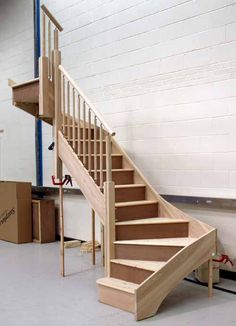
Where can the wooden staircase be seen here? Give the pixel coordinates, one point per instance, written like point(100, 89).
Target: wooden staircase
point(150, 245)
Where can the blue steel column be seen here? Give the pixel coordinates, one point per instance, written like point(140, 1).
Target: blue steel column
point(38, 123)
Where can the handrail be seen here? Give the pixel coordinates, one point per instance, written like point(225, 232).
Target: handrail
point(91, 106)
point(49, 40)
point(52, 18)
point(87, 132)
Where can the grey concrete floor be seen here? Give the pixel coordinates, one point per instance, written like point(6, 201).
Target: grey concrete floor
point(34, 294)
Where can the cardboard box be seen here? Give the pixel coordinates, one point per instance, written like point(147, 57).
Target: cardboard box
point(15, 212)
point(44, 226)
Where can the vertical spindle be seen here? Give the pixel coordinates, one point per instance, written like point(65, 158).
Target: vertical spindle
point(78, 129)
point(101, 155)
point(63, 103)
point(84, 133)
point(95, 149)
point(89, 140)
point(73, 117)
point(49, 50)
point(68, 111)
point(44, 35)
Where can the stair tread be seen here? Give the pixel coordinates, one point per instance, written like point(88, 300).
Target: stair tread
point(114, 170)
point(142, 264)
point(132, 185)
point(30, 81)
point(118, 284)
point(152, 220)
point(159, 242)
point(102, 155)
point(134, 203)
point(81, 140)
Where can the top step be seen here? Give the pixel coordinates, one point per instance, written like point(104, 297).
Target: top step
point(26, 96)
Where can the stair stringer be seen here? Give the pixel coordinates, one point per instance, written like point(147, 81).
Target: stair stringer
point(86, 183)
point(151, 293)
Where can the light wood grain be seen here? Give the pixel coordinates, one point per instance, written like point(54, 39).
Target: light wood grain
point(52, 18)
point(109, 194)
point(143, 264)
point(118, 284)
point(152, 291)
point(87, 185)
point(158, 242)
point(152, 220)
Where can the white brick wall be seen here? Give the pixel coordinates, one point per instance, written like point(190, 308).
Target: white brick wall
point(17, 145)
point(163, 74)
point(16, 62)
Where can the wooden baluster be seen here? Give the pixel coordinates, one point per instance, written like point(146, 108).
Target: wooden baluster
point(68, 111)
point(84, 133)
point(55, 39)
point(43, 35)
point(93, 238)
point(95, 149)
point(101, 155)
point(49, 50)
point(78, 129)
point(89, 140)
point(62, 243)
point(108, 159)
point(73, 117)
point(63, 104)
point(109, 192)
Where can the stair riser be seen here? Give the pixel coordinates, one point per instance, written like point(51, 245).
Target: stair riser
point(28, 93)
point(116, 162)
point(136, 212)
point(129, 194)
point(151, 231)
point(116, 298)
point(144, 252)
point(129, 273)
point(81, 150)
point(119, 177)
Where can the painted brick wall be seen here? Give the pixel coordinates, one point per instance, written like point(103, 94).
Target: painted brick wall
point(163, 74)
point(16, 62)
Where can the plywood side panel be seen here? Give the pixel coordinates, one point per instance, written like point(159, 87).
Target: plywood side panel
point(153, 291)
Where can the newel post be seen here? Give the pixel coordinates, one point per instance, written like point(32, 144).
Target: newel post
point(57, 123)
point(109, 193)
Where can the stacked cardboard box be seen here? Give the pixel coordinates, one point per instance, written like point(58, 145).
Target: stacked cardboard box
point(15, 212)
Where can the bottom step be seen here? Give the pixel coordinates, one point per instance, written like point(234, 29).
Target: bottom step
point(117, 293)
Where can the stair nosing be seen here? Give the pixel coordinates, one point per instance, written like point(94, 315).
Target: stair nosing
point(118, 284)
point(135, 203)
point(114, 170)
point(131, 185)
point(166, 242)
point(152, 220)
